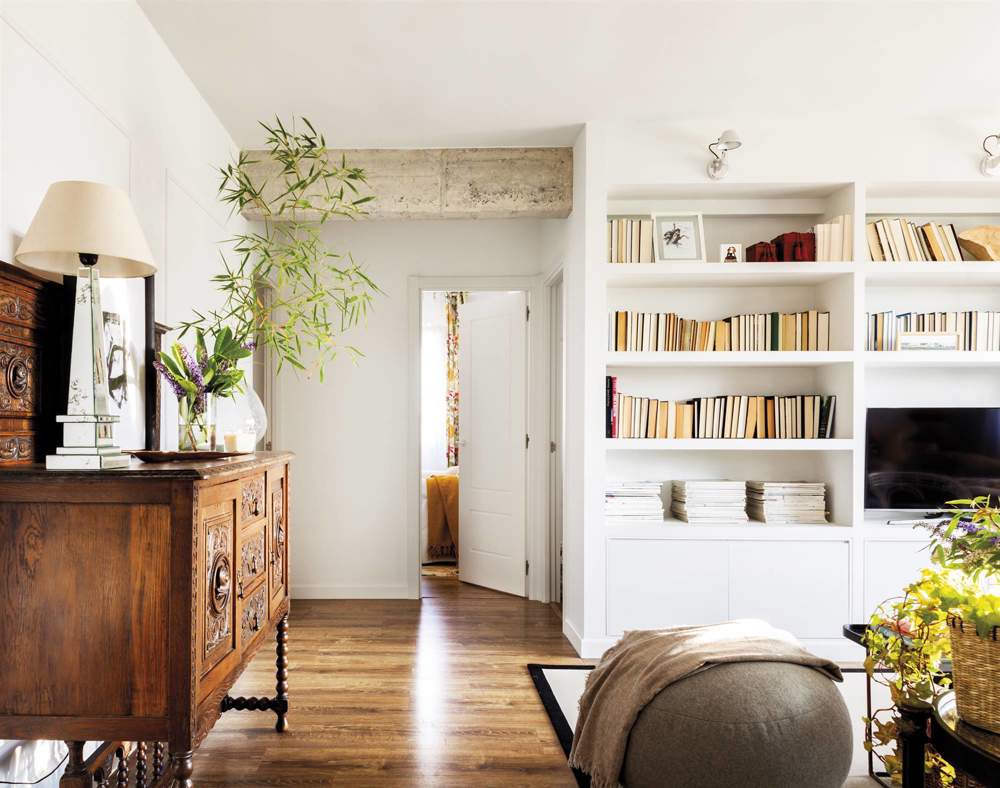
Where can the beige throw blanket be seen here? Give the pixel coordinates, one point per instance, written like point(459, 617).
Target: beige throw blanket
point(642, 663)
point(442, 516)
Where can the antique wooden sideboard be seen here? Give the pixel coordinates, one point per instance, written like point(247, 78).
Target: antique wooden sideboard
point(133, 599)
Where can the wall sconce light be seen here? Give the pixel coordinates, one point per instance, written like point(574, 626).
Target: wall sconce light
point(991, 161)
point(728, 140)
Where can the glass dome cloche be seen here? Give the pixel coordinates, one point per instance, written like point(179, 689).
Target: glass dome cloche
point(242, 422)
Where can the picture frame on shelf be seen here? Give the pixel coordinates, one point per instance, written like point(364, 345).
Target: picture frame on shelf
point(927, 340)
point(731, 253)
point(679, 237)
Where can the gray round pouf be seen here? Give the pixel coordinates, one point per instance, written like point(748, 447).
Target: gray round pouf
point(746, 724)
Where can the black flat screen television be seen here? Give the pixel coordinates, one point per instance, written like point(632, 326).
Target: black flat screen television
point(919, 458)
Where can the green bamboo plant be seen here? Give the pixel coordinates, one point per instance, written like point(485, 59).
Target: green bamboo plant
point(315, 294)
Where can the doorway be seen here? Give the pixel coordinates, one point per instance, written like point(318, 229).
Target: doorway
point(473, 437)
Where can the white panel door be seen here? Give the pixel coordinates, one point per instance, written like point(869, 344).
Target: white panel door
point(492, 382)
point(664, 583)
point(803, 587)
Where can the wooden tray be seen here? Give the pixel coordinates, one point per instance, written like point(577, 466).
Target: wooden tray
point(185, 456)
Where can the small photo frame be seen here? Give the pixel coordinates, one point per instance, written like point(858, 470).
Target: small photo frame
point(679, 238)
point(927, 340)
point(731, 253)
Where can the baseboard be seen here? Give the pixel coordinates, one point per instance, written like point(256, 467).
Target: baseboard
point(570, 633)
point(315, 591)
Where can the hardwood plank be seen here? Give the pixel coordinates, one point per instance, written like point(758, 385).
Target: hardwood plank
point(401, 693)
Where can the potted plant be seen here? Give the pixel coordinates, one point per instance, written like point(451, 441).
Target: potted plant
point(908, 651)
point(199, 380)
point(967, 548)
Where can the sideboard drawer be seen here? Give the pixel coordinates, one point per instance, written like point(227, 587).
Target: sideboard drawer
point(253, 504)
point(253, 563)
point(253, 615)
point(277, 491)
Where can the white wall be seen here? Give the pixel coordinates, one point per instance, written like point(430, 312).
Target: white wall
point(350, 484)
point(89, 91)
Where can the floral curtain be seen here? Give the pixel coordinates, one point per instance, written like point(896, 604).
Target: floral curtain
point(452, 300)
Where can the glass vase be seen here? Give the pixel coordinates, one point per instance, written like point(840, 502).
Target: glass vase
point(196, 423)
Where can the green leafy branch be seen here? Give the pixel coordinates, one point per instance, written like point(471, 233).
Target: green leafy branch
point(284, 288)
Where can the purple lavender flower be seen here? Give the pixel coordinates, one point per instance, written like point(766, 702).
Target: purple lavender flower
point(169, 377)
point(250, 345)
point(970, 528)
point(194, 369)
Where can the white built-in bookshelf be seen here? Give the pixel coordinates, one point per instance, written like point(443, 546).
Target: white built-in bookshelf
point(810, 578)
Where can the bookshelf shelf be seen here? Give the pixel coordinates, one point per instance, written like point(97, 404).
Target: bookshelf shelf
point(626, 275)
point(931, 359)
point(730, 359)
point(972, 274)
point(730, 444)
point(616, 528)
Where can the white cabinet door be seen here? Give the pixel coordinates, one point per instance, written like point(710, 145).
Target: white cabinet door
point(890, 566)
point(662, 583)
point(803, 587)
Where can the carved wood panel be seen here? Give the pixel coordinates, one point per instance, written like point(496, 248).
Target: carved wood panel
point(16, 448)
point(252, 504)
point(253, 617)
point(253, 558)
point(278, 549)
point(218, 583)
point(18, 369)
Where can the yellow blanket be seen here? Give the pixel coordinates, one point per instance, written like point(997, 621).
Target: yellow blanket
point(442, 516)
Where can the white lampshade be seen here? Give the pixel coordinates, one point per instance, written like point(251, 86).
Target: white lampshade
point(80, 217)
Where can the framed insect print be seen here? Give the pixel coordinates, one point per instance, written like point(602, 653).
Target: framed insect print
point(679, 237)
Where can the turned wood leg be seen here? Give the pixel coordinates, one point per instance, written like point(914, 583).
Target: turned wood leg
point(157, 760)
point(281, 675)
point(182, 765)
point(75, 774)
point(122, 767)
point(140, 764)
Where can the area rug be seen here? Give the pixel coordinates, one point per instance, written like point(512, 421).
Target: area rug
point(560, 688)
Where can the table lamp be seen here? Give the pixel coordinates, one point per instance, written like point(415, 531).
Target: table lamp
point(78, 227)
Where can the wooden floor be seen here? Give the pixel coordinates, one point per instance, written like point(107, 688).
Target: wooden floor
point(401, 693)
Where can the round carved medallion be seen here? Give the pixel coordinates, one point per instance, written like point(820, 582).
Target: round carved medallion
point(221, 584)
point(17, 377)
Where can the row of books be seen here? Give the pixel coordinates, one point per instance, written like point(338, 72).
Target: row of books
point(728, 416)
point(659, 331)
point(630, 240)
point(900, 240)
point(835, 239)
point(973, 331)
point(634, 501)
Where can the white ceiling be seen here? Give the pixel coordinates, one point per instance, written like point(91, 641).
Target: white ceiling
point(441, 74)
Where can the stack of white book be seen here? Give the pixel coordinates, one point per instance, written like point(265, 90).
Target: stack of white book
point(634, 501)
point(709, 502)
point(787, 502)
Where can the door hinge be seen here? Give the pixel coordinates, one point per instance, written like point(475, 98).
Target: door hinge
point(552, 447)
point(527, 312)
point(527, 440)
point(526, 568)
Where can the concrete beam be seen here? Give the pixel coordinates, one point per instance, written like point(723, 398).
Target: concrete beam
point(454, 183)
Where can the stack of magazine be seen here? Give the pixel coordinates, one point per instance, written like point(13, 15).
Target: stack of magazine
point(787, 502)
point(709, 502)
point(634, 501)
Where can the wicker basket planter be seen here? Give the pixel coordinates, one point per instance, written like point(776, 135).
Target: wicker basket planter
point(976, 673)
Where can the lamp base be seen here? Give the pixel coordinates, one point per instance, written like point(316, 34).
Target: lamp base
point(86, 462)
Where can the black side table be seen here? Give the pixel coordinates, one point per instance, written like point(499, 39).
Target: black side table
point(969, 749)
